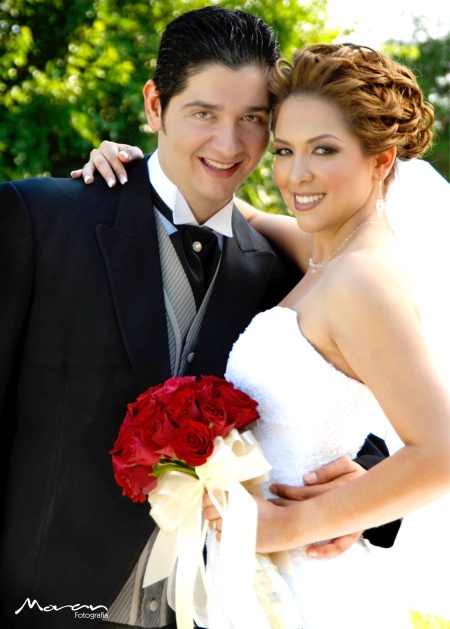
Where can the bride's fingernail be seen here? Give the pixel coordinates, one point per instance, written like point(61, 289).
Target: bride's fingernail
point(311, 477)
point(125, 154)
point(273, 489)
point(123, 179)
point(111, 182)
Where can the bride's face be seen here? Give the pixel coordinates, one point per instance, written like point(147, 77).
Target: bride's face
point(320, 168)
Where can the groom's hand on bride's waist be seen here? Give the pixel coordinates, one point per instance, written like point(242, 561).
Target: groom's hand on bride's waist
point(327, 477)
point(319, 481)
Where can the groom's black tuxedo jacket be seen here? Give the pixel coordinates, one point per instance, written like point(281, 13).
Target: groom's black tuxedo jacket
point(82, 332)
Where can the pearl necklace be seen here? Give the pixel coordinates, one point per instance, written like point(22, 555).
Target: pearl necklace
point(315, 266)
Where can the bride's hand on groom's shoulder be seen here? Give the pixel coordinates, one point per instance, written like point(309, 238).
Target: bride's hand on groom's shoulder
point(108, 160)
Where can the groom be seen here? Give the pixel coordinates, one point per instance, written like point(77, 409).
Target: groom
point(105, 294)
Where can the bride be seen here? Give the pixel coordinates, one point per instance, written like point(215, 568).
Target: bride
point(346, 349)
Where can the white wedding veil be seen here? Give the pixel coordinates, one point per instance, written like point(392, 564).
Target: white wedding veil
point(418, 209)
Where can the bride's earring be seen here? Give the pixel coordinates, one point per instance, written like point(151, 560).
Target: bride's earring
point(380, 201)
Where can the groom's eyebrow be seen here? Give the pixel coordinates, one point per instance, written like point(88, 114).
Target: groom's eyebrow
point(203, 105)
point(216, 107)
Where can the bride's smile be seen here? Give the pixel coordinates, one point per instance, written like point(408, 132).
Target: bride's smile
point(323, 174)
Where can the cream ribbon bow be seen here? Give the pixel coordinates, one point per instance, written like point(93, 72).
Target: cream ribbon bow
point(176, 505)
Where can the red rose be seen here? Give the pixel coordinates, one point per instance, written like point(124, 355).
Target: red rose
point(181, 405)
point(171, 385)
point(136, 481)
point(204, 390)
point(132, 449)
point(214, 415)
point(137, 446)
point(146, 407)
point(194, 443)
point(241, 408)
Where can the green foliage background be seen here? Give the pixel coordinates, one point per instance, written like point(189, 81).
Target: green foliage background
point(430, 61)
point(71, 75)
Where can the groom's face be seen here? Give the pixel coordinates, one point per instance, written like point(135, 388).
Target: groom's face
point(213, 133)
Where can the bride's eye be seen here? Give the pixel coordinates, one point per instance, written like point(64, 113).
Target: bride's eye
point(325, 150)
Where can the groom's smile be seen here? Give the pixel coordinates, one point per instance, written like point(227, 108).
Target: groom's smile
point(213, 134)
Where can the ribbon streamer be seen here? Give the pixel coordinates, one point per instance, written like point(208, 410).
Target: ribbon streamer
point(176, 505)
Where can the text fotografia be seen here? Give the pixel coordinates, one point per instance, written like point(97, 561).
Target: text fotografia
point(91, 612)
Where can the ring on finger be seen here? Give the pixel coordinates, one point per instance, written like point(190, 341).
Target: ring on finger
point(214, 525)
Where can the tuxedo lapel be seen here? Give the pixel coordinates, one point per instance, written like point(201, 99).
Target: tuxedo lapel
point(131, 255)
point(240, 285)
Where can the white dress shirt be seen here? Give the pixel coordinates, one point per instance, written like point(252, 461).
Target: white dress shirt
point(220, 222)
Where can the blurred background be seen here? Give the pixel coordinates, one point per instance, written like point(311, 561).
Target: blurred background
point(71, 73)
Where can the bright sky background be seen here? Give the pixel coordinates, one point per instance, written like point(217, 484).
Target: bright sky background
point(380, 20)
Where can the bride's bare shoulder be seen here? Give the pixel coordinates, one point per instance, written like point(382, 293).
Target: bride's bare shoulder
point(368, 281)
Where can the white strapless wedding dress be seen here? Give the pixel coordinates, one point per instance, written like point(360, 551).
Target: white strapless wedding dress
point(311, 414)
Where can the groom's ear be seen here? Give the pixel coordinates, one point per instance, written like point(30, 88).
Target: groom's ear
point(153, 106)
point(384, 162)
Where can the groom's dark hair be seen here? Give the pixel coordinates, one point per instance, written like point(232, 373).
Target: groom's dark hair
point(208, 36)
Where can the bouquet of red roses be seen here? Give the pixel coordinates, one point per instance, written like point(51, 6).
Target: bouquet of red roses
point(177, 440)
point(173, 426)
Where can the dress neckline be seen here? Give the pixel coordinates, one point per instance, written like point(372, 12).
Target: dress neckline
point(313, 348)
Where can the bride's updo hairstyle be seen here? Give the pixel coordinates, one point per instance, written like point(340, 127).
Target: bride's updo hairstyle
point(378, 97)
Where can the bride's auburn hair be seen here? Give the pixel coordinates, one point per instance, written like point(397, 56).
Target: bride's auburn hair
point(379, 98)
